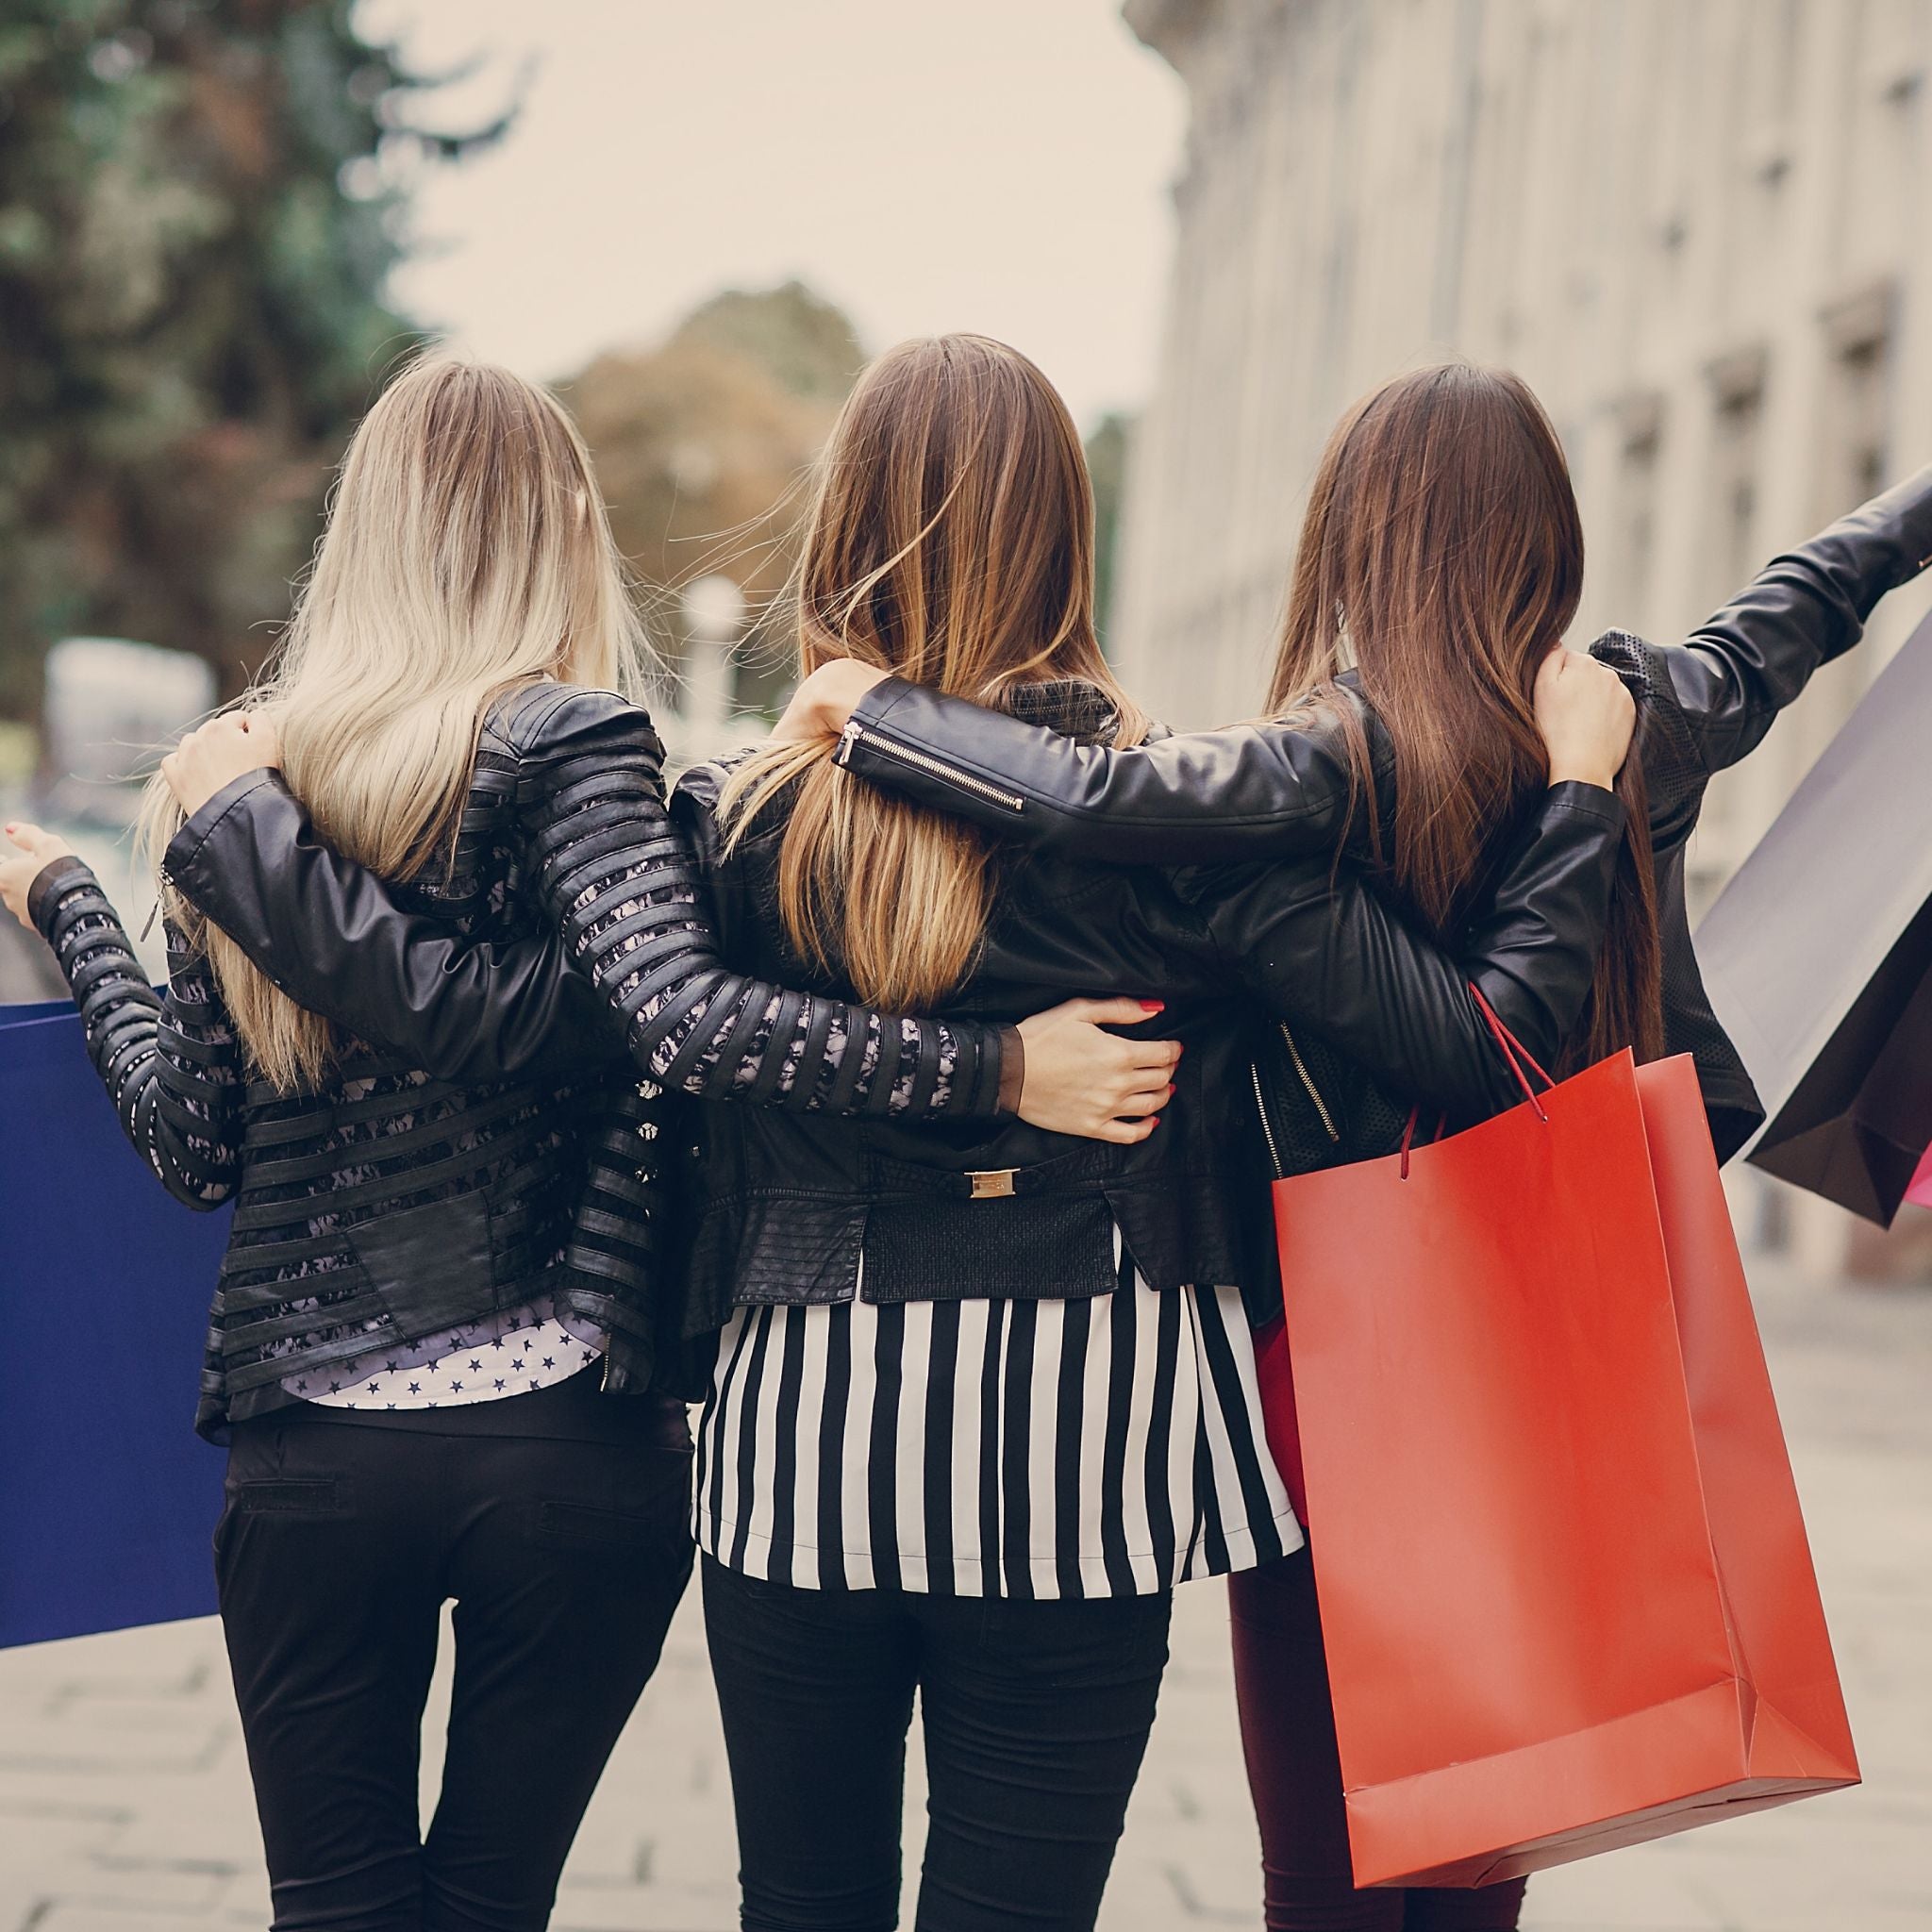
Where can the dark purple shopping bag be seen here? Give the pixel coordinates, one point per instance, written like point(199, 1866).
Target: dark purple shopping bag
point(108, 1498)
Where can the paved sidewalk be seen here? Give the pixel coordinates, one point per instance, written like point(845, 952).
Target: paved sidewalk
point(123, 1801)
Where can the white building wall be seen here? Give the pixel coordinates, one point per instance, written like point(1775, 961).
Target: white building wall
point(1698, 227)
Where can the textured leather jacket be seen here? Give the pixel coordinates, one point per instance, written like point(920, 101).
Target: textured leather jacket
point(396, 1201)
point(1272, 790)
point(788, 1209)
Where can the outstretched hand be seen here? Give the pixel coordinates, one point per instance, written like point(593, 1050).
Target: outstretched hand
point(1082, 1080)
point(33, 851)
point(216, 754)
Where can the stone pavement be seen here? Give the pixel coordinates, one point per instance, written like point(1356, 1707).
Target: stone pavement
point(123, 1803)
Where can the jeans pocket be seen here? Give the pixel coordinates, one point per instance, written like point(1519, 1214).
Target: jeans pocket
point(304, 1495)
point(589, 1527)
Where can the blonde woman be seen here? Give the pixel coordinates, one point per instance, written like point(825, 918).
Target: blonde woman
point(983, 1396)
point(434, 1347)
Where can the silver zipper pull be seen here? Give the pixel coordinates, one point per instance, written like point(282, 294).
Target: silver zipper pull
point(163, 883)
point(848, 743)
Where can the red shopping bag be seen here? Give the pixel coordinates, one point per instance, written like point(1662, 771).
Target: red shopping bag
point(1565, 1586)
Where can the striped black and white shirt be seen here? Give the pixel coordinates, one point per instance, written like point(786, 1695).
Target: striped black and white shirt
point(1109, 1447)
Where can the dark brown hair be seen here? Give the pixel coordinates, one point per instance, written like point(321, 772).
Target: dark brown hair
point(1441, 558)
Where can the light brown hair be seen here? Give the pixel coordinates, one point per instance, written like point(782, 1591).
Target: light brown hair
point(1441, 559)
point(949, 540)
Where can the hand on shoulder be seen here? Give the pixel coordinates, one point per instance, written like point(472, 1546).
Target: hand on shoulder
point(825, 701)
point(1587, 716)
point(214, 755)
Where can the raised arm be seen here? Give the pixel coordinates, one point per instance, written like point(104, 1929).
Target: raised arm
point(1738, 671)
point(1325, 949)
point(171, 1063)
point(1279, 791)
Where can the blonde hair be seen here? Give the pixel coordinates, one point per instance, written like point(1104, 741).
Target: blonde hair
point(466, 552)
point(950, 539)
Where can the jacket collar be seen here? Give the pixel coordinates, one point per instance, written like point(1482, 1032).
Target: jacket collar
point(1070, 706)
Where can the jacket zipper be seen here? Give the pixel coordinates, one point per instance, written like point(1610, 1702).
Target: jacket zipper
point(1294, 1053)
point(1267, 1125)
point(856, 734)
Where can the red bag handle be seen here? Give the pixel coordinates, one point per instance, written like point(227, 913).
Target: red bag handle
point(1513, 1051)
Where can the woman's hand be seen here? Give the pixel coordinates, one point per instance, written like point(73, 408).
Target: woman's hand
point(823, 705)
point(1587, 717)
point(34, 851)
point(216, 754)
point(1080, 1080)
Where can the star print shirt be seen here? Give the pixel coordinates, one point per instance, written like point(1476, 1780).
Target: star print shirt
point(514, 1352)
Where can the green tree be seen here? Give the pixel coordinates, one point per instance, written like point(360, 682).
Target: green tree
point(702, 443)
point(805, 344)
point(200, 201)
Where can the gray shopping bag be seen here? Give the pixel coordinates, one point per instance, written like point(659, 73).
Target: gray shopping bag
point(1818, 956)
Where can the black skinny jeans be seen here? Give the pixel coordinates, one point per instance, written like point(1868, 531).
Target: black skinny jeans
point(1036, 1717)
point(566, 1548)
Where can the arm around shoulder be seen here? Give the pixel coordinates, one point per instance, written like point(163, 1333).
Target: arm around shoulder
point(1275, 788)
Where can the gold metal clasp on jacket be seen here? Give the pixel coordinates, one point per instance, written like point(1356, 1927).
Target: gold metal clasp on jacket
point(993, 1183)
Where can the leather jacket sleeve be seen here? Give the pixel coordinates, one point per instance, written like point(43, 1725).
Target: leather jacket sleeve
point(622, 1229)
point(170, 1061)
point(1277, 790)
point(1247, 792)
point(1708, 702)
point(1326, 948)
point(1737, 671)
point(626, 905)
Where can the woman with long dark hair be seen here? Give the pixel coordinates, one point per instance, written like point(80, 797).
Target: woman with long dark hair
point(1440, 559)
point(980, 1399)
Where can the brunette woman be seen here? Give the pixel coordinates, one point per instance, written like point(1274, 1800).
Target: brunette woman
point(1440, 555)
point(434, 1344)
point(981, 1399)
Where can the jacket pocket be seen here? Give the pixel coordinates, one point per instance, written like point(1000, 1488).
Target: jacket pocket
point(431, 1266)
point(1043, 1247)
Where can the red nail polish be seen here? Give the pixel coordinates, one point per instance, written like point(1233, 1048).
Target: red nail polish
point(1153, 1005)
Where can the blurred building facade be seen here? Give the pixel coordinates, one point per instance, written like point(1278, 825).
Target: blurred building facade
point(1696, 226)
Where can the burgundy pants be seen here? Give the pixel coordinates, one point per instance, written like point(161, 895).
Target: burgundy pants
point(1287, 1732)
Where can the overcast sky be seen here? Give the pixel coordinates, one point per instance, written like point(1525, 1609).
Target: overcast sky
point(999, 165)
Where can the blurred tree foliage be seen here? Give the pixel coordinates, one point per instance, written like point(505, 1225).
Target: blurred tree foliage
point(702, 443)
point(199, 202)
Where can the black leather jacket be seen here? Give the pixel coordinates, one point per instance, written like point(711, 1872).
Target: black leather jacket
point(387, 1204)
point(1272, 790)
point(465, 1157)
point(791, 1215)
point(786, 1206)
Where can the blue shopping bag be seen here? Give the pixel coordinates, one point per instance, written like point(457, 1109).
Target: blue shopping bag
point(108, 1498)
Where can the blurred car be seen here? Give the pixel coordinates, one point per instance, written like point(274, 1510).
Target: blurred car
point(111, 708)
